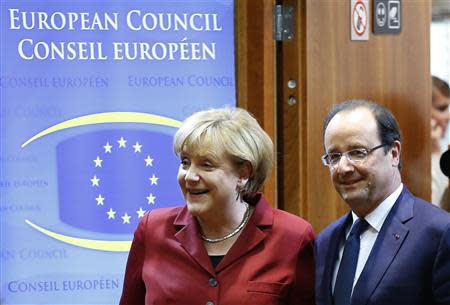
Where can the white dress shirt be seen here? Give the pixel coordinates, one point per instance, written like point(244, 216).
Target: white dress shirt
point(375, 219)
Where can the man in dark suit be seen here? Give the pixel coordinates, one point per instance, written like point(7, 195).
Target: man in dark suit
point(392, 248)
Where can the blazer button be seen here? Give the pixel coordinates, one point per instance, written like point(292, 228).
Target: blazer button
point(209, 303)
point(213, 283)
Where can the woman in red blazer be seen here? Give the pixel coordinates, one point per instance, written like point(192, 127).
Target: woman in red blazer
point(227, 245)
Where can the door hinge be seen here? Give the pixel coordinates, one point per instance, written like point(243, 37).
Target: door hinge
point(283, 22)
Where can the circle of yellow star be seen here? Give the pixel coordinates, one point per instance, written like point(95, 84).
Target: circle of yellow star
point(126, 218)
point(100, 199)
point(153, 179)
point(140, 212)
point(98, 162)
point(151, 199)
point(107, 147)
point(122, 142)
point(148, 161)
point(95, 181)
point(111, 213)
point(137, 147)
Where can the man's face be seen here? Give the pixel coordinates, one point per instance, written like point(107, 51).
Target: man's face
point(363, 185)
point(439, 110)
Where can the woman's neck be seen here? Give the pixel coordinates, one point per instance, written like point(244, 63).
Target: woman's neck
point(224, 221)
point(219, 239)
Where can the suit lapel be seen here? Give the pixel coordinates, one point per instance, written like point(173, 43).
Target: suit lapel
point(189, 239)
point(331, 257)
point(389, 241)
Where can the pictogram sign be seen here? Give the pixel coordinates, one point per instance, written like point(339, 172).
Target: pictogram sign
point(387, 16)
point(359, 19)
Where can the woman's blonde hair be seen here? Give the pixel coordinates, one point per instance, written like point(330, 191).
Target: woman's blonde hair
point(235, 131)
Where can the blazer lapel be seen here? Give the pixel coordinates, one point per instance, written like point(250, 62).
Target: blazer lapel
point(390, 238)
point(331, 257)
point(252, 235)
point(189, 239)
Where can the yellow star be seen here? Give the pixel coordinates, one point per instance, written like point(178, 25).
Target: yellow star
point(98, 162)
point(137, 147)
point(111, 213)
point(153, 179)
point(126, 218)
point(140, 213)
point(95, 181)
point(107, 147)
point(122, 142)
point(151, 199)
point(100, 199)
point(148, 161)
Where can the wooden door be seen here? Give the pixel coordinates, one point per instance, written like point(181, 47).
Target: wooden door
point(330, 68)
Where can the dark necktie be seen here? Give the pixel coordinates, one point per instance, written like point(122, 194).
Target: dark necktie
point(346, 274)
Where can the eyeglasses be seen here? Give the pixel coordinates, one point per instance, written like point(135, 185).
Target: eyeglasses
point(354, 156)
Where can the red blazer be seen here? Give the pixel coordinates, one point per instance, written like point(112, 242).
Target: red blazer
point(271, 262)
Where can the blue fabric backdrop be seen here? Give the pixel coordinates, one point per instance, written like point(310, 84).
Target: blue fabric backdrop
point(91, 95)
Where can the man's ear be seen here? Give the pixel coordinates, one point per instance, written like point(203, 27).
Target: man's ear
point(395, 151)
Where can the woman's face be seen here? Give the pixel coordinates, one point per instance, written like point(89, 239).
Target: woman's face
point(208, 181)
point(439, 110)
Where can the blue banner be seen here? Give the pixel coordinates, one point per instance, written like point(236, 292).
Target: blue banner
point(92, 93)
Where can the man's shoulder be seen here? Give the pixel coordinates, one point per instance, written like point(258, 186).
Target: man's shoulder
point(421, 217)
point(328, 231)
point(428, 213)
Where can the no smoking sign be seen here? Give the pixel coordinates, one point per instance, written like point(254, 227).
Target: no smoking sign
point(359, 19)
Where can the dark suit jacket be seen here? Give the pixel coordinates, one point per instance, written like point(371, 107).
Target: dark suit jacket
point(270, 263)
point(409, 263)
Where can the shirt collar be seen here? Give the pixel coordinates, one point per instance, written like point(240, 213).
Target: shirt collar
point(376, 217)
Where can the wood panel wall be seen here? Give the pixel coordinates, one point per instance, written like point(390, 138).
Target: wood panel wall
point(390, 69)
point(255, 70)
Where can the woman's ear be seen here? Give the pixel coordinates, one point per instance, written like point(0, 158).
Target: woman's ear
point(245, 171)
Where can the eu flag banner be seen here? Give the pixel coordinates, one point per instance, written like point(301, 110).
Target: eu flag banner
point(108, 180)
point(92, 93)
